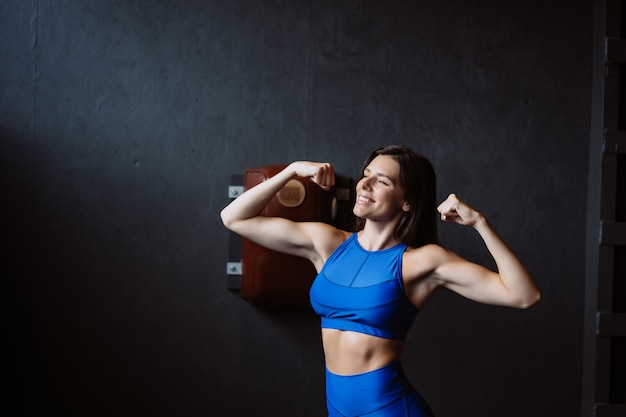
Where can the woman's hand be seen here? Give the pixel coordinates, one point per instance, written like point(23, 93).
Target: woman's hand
point(455, 210)
point(321, 173)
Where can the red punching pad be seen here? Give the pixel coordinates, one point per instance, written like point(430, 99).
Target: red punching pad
point(273, 279)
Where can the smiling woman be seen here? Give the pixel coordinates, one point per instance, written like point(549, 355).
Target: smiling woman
point(414, 174)
point(380, 184)
point(372, 282)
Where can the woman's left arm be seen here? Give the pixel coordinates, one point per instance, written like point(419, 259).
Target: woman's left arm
point(511, 286)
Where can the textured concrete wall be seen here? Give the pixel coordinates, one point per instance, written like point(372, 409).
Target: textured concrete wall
point(122, 121)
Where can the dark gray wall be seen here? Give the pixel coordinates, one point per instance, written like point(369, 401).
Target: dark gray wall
point(121, 123)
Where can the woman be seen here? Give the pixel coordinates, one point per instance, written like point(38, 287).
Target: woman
point(372, 283)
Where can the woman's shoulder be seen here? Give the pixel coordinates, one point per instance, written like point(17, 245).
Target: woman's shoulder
point(428, 250)
point(424, 259)
point(326, 237)
point(418, 271)
point(326, 231)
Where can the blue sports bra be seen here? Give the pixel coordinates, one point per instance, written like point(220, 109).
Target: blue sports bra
point(362, 291)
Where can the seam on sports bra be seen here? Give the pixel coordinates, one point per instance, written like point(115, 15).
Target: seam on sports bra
point(399, 273)
point(369, 286)
point(358, 308)
point(394, 279)
point(356, 275)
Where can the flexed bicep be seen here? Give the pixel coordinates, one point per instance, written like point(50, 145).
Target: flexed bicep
point(473, 281)
point(244, 214)
point(276, 233)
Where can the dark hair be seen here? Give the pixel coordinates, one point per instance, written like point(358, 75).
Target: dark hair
point(418, 226)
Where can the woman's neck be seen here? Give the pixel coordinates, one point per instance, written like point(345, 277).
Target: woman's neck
point(375, 237)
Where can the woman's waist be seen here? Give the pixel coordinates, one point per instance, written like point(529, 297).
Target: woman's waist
point(352, 353)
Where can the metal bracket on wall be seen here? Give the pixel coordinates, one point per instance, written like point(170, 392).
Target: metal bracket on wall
point(234, 265)
point(233, 270)
point(610, 324)
point(235, 191)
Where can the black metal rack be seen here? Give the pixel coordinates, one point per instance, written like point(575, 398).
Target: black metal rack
point(604, 368)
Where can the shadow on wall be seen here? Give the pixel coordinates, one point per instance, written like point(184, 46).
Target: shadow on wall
point(98, 323)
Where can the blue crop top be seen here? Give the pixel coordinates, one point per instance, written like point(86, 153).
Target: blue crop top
point(362, 291)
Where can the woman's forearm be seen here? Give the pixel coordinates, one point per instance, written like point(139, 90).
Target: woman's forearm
point(252, 202)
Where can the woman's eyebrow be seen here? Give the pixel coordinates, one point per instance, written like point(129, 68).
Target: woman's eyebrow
point(380, 174)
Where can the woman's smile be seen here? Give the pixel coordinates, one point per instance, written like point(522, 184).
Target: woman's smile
point(364, 200)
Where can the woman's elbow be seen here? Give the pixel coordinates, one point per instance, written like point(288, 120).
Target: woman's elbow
point(529, 300)
point(227, 221)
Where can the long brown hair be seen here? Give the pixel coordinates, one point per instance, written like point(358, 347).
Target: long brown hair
point(418, 226)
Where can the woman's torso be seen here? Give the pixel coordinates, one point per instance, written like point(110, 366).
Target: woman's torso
point(364, 307)
point(352, 353)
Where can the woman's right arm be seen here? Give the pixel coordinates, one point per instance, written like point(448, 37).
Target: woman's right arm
point(242, 215)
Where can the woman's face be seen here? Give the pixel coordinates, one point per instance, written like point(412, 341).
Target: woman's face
point(379, 194)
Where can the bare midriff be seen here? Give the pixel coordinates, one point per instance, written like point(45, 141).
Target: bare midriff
point(351, 353)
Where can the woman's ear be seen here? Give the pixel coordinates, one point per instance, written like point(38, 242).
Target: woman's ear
point(406, 207)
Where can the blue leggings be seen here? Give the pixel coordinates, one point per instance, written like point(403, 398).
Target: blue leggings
point(384, 392)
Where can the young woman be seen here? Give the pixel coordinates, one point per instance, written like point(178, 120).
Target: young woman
point(372, 282)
